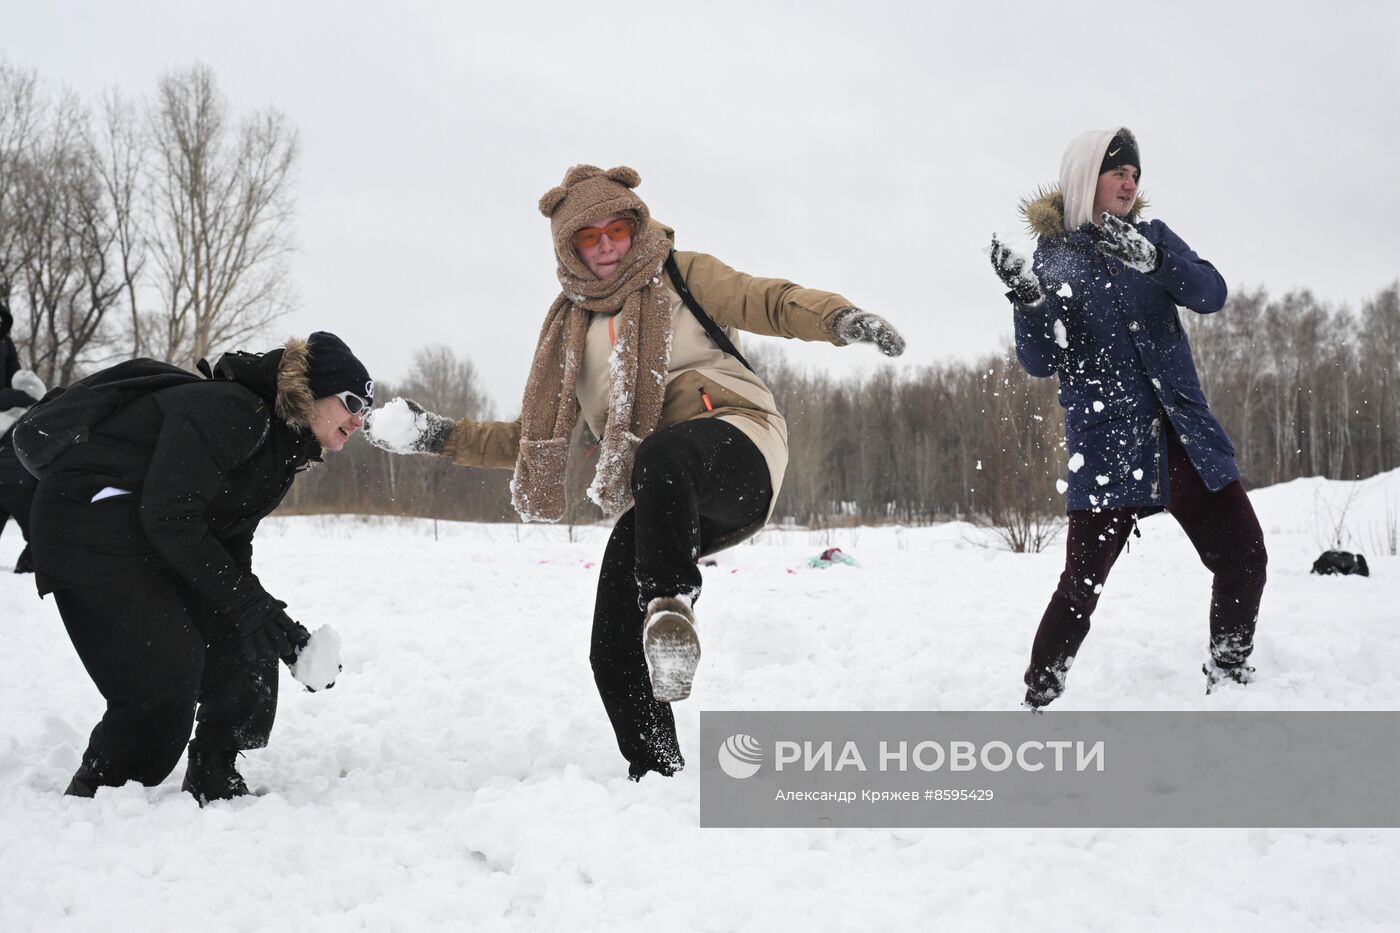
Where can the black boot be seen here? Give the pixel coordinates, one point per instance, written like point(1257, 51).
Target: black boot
point(1218, 673)
point(212, 775)
point(85, 782)
point(24, 563)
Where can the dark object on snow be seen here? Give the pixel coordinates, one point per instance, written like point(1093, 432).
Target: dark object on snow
point(214, 776)
point(830, 558)
point(1343, 562)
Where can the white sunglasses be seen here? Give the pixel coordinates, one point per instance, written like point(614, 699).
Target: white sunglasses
point(353, 403)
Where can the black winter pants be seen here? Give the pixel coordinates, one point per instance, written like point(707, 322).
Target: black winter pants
point(156, 649)
point(697, 486)
point(1226, 535)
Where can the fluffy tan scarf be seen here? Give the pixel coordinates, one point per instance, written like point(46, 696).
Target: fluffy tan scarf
point(637, 365)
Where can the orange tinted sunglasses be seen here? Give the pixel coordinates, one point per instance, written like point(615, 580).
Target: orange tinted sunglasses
point(621, 229)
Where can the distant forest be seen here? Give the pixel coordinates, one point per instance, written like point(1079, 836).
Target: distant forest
point(1304, 389)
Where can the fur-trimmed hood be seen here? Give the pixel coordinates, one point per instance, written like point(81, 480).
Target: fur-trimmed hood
point(295, 403)
point(1069, 205)
point(282, 377)
point(1044, 211)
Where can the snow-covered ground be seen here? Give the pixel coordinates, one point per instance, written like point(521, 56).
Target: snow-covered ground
point(462, 775)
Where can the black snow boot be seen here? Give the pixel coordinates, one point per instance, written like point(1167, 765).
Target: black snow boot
point(637, 770)
point(85, 782)
point(1044, 687)
point(1217, 674)
point(24, 563)
point(213, 775)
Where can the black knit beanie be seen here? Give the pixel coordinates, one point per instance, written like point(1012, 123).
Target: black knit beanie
point(1122, 151)
point(335, 369)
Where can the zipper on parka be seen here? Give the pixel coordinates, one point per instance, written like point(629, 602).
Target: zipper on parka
point(1157, 458)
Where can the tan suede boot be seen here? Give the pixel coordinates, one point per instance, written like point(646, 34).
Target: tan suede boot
point(672, 647)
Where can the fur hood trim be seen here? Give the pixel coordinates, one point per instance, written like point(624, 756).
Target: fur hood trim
point(1044, 211)
point(295, 404)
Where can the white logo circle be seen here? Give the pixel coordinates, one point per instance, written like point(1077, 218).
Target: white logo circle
point(740, 756)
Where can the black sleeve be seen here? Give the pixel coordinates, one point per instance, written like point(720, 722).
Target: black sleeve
point(9, 362)
point(241, 550)
point(15, 398)
point(197, 447)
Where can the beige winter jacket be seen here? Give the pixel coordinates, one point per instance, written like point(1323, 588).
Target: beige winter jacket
point(736, 301)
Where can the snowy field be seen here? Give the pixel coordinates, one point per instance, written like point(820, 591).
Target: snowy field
point(462, 775)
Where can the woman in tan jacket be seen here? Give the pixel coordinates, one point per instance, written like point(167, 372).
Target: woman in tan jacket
point(692, 448)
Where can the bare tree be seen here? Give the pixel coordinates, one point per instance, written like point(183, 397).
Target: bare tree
point(119, 166)
point(19, 111)
point(64, 227)
point(447, 384)
point(221, 211)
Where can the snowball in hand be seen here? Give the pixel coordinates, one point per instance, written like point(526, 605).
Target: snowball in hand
point(318, 664)
point(396, 426)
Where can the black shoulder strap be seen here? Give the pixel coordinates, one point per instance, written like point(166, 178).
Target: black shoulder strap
point(716, 332)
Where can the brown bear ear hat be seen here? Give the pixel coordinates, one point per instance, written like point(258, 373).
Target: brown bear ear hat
point(586, 196)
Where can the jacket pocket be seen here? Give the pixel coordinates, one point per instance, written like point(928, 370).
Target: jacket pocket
point(693, 395)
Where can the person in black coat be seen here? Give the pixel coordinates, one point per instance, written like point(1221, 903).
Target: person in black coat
point(19, 389)
point(144, 534)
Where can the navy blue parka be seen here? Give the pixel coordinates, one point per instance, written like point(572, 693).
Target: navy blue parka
point(1113, 335)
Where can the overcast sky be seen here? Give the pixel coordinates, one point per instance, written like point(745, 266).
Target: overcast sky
point(868, 148)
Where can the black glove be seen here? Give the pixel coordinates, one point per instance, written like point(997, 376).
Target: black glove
point(1122, 241)
point(852, 325)
point(278, 636)
point(15, 398)
point(7, 320)
point(1010, 267)
point(432, 429)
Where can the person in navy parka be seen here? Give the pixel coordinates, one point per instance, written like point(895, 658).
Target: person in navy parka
point(1099, 308)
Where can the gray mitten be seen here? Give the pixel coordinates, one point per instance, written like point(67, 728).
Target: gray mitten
point(1122, 241)
point(1010, 267)
point(405, 427)
point(852, 325)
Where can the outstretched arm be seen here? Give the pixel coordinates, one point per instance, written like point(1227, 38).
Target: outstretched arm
point(405, 427)
point(779, 308)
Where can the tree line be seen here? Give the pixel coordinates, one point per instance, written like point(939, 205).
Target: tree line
point(1303, 390)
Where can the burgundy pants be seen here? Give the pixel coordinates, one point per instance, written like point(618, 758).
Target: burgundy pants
point(1227, 536)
